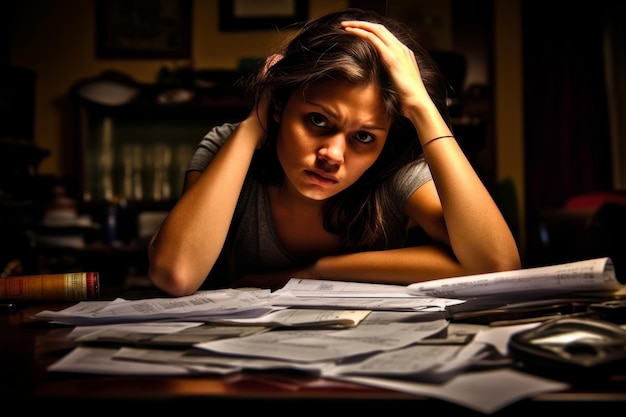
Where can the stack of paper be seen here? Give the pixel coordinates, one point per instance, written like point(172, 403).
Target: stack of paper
point(388, 336)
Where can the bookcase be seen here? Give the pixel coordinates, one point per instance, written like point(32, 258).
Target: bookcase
point(138, 153)
point(131, 159)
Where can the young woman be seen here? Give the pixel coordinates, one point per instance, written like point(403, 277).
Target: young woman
point(347, 151)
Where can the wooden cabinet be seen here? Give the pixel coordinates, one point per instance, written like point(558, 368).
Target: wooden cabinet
point(131, 160)
point(133, 156)
point(138, 152)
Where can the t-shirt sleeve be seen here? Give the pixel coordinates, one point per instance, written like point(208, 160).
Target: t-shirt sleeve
point(209, 145)
point(411, 177)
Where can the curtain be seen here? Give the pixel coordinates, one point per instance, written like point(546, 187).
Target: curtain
point(615, 69)
point(567, 134)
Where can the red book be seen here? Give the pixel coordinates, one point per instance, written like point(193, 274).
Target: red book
point(72, 286)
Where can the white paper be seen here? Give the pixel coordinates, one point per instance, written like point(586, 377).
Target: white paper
point(403, 343)
point(97, 360)
point(324, 345)
point(366, 303)
point(161, 336)
point(499, 337)
point(486, 392)
point(334, 289)
point(293, 317)
point(574, 277)
point(313, 293)
point(197, 307)
point(79, 332)
point(206, 358)
point(427, 363)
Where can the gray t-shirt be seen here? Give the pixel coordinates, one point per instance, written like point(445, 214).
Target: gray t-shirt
point(252, 245)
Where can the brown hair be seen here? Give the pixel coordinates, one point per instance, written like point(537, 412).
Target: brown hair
point(323, 50)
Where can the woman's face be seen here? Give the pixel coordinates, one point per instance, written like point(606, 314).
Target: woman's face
point(329, 137)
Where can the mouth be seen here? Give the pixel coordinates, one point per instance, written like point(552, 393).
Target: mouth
point(322, 179)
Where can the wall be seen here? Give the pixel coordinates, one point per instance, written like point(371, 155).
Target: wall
point(56, 38)
point(508, 97)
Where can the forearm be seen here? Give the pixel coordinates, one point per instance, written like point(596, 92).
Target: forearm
point(187, 245)
point(394, 266)
point(397, 266)
point(477, 230)
point(479, 235)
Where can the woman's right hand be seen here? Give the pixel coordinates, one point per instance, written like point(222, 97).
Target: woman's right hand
point(185, 248)
point(259, 112)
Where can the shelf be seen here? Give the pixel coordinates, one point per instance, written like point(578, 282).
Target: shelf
point(139, 151)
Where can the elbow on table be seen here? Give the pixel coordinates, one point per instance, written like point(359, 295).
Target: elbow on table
point(507, 262)
point(508, 266)
point(494, 261)
point(173, 282)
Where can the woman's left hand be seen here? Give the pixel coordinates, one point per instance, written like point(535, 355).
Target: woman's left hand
point(398, 58)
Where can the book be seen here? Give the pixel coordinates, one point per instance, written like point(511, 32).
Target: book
point(72, 286)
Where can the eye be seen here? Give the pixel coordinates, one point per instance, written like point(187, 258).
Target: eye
point(364, 137)
point(318, 120)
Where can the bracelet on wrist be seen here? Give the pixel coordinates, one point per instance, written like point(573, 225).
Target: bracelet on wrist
point(434, 139)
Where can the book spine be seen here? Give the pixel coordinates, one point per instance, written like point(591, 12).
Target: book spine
point(71, 286)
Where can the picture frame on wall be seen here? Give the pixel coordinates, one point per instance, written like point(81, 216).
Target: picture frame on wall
point(247, 15)
point(135, 29)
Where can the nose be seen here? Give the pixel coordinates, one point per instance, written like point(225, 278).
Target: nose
point(333, 149)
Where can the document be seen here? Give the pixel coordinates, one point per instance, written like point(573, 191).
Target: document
point(395, 350)
point(425, 304)
point(293, 317)
point(396, 337)
point(594, 275)
point(147, 327)
point(334, 289)
point(311, 293)
point(199, 306)
point(194, 357)
point(99, 360)
point(439, 371)
point(427, 363)
point(186, 337)
point(324, 345)
point(485, 392)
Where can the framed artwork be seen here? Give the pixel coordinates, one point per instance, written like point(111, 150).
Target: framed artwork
point(139, 29)
point(242, 15)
